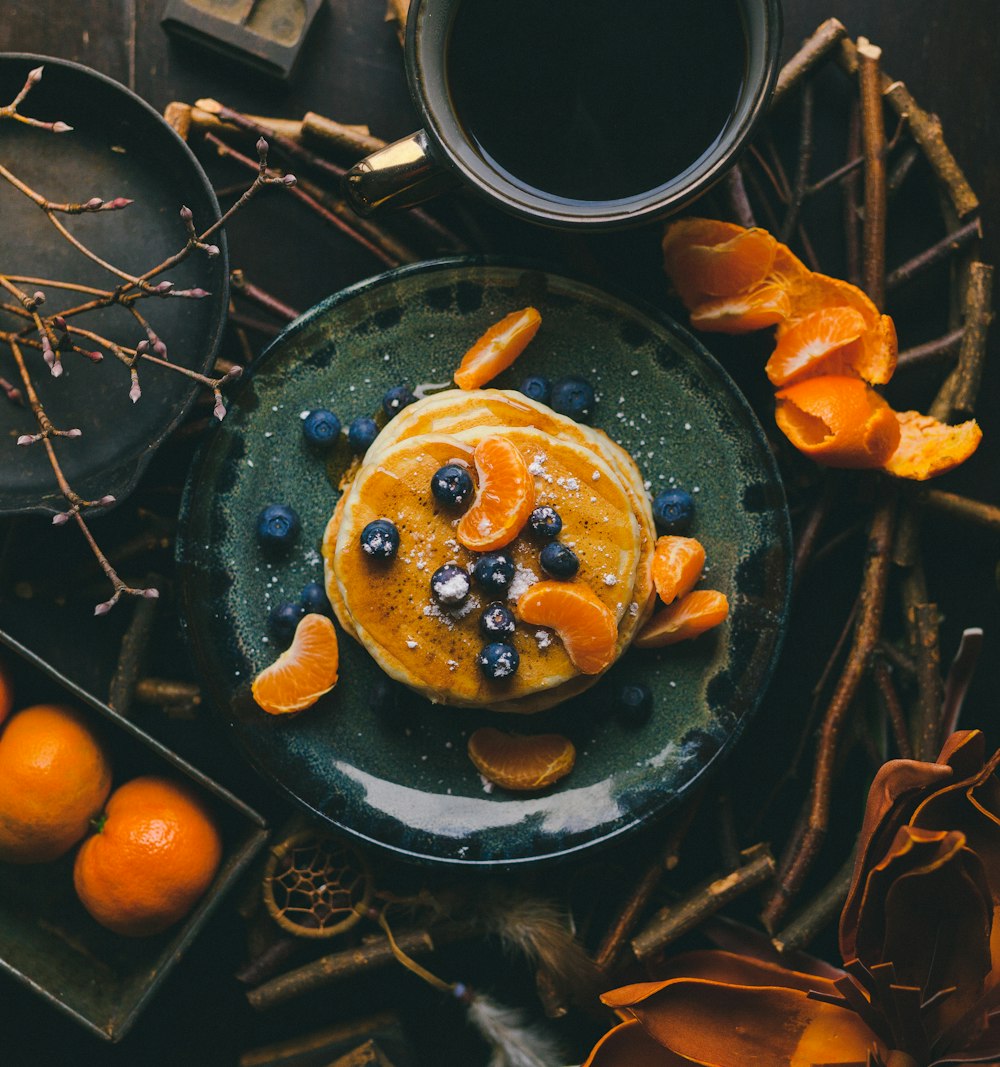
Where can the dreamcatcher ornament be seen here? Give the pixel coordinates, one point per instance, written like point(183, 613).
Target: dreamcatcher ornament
point(318, 886)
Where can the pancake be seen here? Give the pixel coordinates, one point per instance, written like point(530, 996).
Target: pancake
point(455, 410)
point(390, 607)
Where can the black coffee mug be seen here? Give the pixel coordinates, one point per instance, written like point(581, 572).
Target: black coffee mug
point(593, 114)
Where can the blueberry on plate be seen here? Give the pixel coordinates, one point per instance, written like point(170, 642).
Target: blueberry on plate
point(497, 621)
point(450, 585)
point(545, 521)
point(494, 572)
point(452, 485)
point(559, 560)
point(498, 660)
point(573, 397)
point(635, 702)
point(321, 428)
point(361, 433)
point(277, 526)
point(380, 539)
point(282, 620)
point(537, 388)
point(673, 510)
point(313, 599)
point(395, 399)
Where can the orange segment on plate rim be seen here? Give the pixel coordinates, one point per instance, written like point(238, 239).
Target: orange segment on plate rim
point(521, 762)
point(677, 566)
point(303, 672)
point(498, 347)
point(586, 627)
point(504, 497)
point(684, 619)
point(838, 421)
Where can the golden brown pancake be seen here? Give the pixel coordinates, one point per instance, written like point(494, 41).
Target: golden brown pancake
point(390, 607)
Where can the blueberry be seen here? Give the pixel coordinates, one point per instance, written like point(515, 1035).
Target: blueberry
point(452, 485)
point(321, 428)
point(537, 388)
point(380, 539)
point(361, 433)
point(450, 584)
point(559, 560)
point(545, 522)
point(573, 397)
point(673, 510)
point(494, 572)
point(277, 525)
point(635, 702)
point(496, 621)
point(313, 599)
point(282, 620)
point(498, 660)
point(395, 399)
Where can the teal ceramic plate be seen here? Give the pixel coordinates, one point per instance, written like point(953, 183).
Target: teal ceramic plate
point(373, 759)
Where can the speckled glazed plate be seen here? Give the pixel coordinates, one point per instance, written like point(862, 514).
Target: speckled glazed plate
point(377, 761)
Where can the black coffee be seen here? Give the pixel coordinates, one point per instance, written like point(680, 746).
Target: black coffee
point(595, 99)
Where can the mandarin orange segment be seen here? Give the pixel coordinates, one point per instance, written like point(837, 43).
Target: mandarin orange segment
point(303, 672)
point(763, 305)
point(825, 341)
point(677, 566)
point(497, 349)
point(726, 268)
point(838, 421)
point(504, 497)
point(521, 762)
point(585, 626)
point(684, 619)
point(928, 447)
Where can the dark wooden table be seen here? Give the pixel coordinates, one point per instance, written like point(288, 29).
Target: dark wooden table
point(351, 69)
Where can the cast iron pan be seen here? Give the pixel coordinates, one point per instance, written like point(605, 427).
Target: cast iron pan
point(119, 146)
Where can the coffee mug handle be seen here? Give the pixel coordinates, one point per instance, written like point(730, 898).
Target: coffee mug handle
point(399, 175)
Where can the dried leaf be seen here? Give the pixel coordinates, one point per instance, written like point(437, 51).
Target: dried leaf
point(628, 1045)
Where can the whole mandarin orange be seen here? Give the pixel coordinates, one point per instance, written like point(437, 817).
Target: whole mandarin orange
point(155, 853)
point(54, 778)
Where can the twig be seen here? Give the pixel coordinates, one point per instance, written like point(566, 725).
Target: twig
point(850, 192)
point(866, 635)
point(134, 646)
point(167, 692)
point(261, 297)
point(927, 720)
point(798, 192)
point(677, 919)
point(817, 916)
point(938, 252)
point(901, 169)
point(611, 948)
point(960, 507)
point(806, 541)
point(939, 350)
point(968, 371)
point(739, 202)
point(893, 706)
point(815, 48)
point(926, 130)
point(324, 131)
point(957, 683)
point(873, 145)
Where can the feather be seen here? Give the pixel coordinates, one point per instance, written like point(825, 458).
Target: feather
point(539, 930)
point(515, 1042)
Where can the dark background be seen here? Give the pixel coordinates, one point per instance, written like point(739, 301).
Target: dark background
point(351, 69)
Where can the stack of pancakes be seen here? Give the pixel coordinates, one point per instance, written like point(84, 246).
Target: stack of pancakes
point(389, 607)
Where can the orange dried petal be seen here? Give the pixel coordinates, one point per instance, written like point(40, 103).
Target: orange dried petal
point(677, 566)
point(303, 672)
point(928, 447)
point(586, 627)
point(521, 762)
point(497, 349)
point(684, 619)
point(504, 497)
point(838, 421)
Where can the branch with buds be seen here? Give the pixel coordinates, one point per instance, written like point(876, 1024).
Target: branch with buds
point(57, 334)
